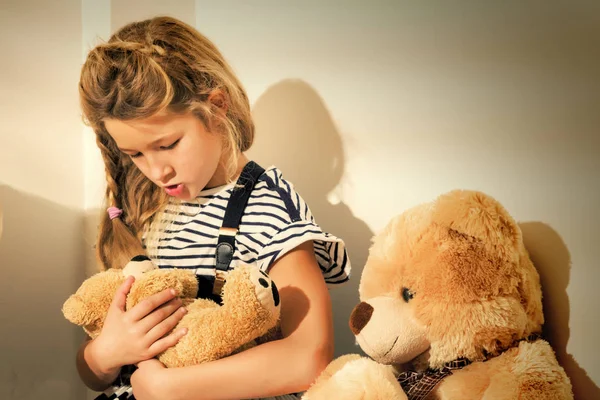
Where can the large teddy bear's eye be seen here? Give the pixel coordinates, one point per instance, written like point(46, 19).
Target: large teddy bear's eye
point(407, 294)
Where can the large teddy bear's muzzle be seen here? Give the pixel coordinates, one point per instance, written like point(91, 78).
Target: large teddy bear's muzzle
point(386, 329)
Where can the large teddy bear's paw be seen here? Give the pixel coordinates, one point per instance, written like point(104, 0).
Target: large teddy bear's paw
point(358, 379)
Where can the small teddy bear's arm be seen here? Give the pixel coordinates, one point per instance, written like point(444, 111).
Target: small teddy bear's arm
point(251, 306)
point(250, 309)
point(155, 281)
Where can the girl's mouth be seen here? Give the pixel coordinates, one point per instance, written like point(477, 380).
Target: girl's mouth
point(174, 190)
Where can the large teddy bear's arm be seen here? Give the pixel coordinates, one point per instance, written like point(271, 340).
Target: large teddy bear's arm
point(504, 386)
point(356, 378)
point(532, 372)
point(527, 372)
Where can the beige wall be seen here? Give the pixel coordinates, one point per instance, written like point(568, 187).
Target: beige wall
point(41, 192)
point(373, 107)
point(369, 107)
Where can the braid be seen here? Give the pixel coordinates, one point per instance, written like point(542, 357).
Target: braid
point(148, 49)
point(113, 168)
point(117, 244)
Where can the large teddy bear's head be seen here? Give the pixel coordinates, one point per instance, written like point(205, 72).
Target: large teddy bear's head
point(250, 310)
point(447, 280)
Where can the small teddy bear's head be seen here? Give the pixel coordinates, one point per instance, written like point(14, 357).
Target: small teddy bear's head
point(89, 305)
point(447, 280)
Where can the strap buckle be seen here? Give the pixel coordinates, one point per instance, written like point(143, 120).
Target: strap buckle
point(220, 278)
point(226, 231)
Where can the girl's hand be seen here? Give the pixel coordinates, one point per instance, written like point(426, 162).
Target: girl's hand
point(129, 337)
point(149, 381)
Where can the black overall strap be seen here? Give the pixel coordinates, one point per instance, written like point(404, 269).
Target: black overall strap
point(231, 221)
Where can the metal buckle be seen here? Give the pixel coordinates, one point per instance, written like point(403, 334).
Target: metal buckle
point(228, 231)
point(220, 278)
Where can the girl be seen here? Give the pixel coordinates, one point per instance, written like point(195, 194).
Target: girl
point(172, 123)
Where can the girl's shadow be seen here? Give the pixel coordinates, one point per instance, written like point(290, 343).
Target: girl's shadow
point(296, 133)
point(553, 262)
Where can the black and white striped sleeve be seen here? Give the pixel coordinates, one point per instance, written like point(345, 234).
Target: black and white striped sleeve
point(329, 250)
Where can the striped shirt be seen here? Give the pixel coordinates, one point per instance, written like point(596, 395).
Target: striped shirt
point(275, 221)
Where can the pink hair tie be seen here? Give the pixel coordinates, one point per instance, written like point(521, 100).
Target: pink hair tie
point(114, 212)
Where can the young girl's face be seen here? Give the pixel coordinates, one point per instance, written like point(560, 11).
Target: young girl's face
point(175, 151)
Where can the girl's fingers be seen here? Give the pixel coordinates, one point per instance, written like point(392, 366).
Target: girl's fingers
point(168, 341)
point(146, 306)
point(159, 315)
point(166, 325)
point(120, 298)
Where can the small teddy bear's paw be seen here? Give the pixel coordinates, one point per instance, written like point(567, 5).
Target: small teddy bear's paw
point(266, 290)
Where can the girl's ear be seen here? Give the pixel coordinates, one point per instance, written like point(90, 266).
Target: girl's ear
point(219, 101)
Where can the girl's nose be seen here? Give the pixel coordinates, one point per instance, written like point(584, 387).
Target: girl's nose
point(160, 171)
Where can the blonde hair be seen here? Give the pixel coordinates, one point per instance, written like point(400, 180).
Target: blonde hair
point(150, 66)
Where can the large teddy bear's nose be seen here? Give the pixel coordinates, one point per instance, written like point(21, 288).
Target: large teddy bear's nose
point(360, 317)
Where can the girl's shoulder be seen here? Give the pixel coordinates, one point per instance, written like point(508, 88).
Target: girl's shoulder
point(280, 214)
point(274, 192)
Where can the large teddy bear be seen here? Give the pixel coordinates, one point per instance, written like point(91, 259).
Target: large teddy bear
point(249, 312)
point(450, 309)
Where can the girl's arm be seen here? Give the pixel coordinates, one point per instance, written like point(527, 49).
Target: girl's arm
point(129, 337)
point(91, 373)
point(279, 367)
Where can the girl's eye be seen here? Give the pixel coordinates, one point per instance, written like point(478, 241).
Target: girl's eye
point(407, 294)
point(171, 146)
point(136, 155)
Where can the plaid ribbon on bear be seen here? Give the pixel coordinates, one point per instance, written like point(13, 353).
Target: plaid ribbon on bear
point(417, 385)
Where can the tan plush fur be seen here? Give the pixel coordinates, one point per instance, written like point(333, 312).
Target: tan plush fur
point(348, 374)
point(452, 279)
point(249, 310)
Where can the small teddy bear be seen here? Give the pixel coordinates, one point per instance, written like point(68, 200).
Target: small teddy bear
point(250, 309)
point(450, 309)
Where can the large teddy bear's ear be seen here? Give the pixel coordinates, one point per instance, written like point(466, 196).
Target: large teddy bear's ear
point(478, 215)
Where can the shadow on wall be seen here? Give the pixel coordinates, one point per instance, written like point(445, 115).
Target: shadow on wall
point(296, 133)
point(91, 224)
point(41, 261)
point(553, 262)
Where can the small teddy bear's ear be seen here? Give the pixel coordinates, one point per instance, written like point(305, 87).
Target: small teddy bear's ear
point(76, 311)
point(478, 215)
point(138, 265)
